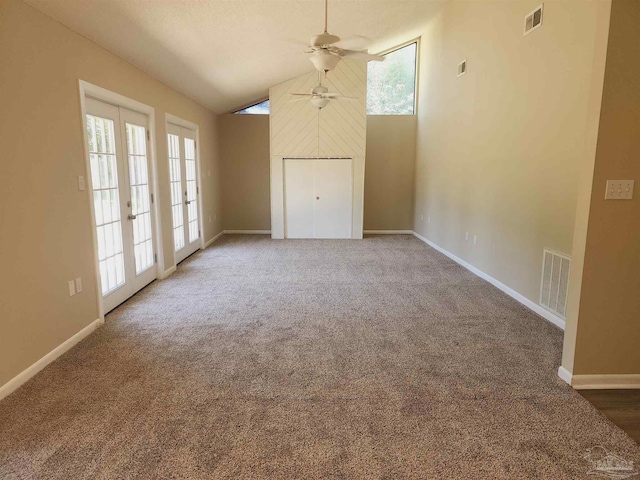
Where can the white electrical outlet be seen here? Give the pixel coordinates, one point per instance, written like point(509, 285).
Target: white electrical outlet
point(72, 288)
point(475, 239)
point(80, 182)
point(619, 190)
point(466, 236)
point(78, 285)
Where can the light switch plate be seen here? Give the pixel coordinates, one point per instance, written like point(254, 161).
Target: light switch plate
point(80, 182)
point(78, 285)
point(72, 288)
point(619, 190)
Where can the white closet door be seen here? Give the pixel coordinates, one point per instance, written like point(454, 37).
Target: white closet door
point(124, 223)
point(183, 177)
point(318, 198)
point(299, 198)
point(333, 191)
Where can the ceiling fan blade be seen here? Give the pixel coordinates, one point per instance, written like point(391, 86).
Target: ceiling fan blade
point(301, 94)
point(361, 55)
point(337, 95)
point(299, 99)
point(348, 99)
point(354, 42)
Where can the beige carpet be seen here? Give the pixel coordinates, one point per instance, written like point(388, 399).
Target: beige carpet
point(309, 359)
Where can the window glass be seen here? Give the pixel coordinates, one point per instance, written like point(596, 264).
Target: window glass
point(261, 108)
point(391, 85)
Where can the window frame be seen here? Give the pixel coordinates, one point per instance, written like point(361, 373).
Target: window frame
point(237, 112)
point(417, 75)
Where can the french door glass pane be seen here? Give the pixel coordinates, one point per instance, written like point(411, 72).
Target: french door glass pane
point(140, 199)
point(175, 180)
point(192, 189)
point(106, 201)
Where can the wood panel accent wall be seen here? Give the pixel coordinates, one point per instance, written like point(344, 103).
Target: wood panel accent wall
point(300, 130)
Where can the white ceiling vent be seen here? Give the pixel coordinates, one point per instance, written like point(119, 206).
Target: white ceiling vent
point(555, 282)
point(533, 20)
point(462, 67)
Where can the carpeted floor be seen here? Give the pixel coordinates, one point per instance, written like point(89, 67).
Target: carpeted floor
point(309, 359)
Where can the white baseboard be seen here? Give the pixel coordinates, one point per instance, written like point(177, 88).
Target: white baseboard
point(605, 382)
point(388, 232)
point(565, 374)
point(546, 314)
point(214, 239)
point(17, 381)
point(248, 232)
point(600, 382)
point(167, 272)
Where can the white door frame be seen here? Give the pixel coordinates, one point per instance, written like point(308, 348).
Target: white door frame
point(169, 118)
point(87, 89)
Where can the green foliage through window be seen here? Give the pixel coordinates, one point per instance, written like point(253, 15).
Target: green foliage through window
point(261, 108)
point(391, 85)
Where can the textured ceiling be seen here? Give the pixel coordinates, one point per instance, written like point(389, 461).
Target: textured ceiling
point(227, 53)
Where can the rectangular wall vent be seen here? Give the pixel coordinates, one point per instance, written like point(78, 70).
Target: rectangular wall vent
point(533, 20)
point(462, 67)
point(555, 282)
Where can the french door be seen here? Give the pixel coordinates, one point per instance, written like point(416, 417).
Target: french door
point(183, 177)
point(120, 181)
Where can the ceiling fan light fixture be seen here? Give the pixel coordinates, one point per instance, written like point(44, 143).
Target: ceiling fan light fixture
point(324, 61)
point(319, 102)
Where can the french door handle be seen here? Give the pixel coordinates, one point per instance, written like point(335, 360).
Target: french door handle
point(132, 217)
point(187, 202)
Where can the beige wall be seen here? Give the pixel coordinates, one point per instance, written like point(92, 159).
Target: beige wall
point(388, 181)
point(605, 334)
point(499, 149)
point(244, 157)
point(389, 174)
point(45, 225)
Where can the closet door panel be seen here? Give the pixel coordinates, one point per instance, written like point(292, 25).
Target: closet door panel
point(333, 198)
point(299, 198)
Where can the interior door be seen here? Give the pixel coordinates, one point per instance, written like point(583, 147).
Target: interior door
point(333, 191)
point(299, 198)
point(318, 198)
point(183, 178)
point(120, 180)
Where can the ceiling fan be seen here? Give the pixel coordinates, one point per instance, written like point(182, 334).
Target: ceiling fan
point(319, 96)
point(325, 54)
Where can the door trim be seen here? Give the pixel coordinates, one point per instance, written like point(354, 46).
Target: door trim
point(87, 89)
point(169, 118)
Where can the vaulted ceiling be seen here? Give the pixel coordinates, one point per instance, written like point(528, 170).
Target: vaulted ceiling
point(225, 54)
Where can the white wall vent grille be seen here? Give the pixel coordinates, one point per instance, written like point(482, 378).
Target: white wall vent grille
point(533, 20)
point(555, 282)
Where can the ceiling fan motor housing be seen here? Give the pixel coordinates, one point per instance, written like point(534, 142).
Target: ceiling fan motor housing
point(324, 39)
point(319, 90)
